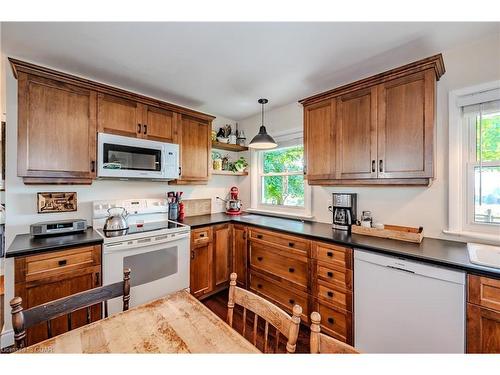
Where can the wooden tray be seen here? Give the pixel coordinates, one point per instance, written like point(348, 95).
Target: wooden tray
point(394, 232)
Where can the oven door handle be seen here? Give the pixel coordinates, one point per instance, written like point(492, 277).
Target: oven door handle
point(137, 243)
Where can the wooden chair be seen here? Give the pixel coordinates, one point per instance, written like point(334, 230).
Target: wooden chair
point(321, 343)
point(24, 319)
point(271, 314)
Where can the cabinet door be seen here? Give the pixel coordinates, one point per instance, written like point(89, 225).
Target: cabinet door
point(483, 330)
point(201, 269)
point(222, 254)
point(240, 254)
point(406, 126)
point(157, 124)
point(319, 141)
point(357, 134)
point(44, 291)
point(195, 149)
point(57, 129)
point(119, 116)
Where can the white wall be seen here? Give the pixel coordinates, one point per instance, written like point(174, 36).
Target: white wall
point(466, 65)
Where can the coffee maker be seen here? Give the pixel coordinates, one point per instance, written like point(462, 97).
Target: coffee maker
point(344, 210)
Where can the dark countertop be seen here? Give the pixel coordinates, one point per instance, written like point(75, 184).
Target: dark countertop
point(440, 252)
point(25, 244)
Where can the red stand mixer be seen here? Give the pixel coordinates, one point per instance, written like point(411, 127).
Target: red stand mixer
point(233, 204)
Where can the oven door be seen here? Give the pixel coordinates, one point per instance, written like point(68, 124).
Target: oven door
point(158, 266)
point(125, 157)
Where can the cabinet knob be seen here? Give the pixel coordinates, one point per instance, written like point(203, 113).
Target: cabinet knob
point(259, 259)
point(292, 301)
point(331, 320)
point(329, 274)
point(259, 236)
point(97, 279)
point(92, 166)
point(62, 262)
point(202, 234)
point(291, 270)
point(259, 286)
point(291, 244)
point(192, 254)
point(329, 254)
point(330, 294)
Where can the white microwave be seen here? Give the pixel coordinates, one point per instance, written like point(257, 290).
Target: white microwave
point(130, 158)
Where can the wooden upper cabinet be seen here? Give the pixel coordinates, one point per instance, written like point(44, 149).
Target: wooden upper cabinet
point(119, 116)
point(157, 124)
point(319, 141)
point(383, 131)
point(357, 136)
point(406, 126)
point(194, 139)
point(59, 115)
point(56, 131)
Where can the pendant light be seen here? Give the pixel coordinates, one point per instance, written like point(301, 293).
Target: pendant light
point(262, 140)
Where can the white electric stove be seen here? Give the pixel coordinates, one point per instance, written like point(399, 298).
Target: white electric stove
point(154, 248)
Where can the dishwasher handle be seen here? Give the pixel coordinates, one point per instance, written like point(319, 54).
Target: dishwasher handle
point(400, 269)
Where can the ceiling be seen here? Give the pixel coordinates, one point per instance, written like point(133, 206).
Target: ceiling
point(223, 68)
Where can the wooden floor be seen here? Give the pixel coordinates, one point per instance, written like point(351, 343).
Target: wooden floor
point(218, 304)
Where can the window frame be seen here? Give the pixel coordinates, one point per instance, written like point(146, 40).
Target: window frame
point(461, 166)
point(285, 140)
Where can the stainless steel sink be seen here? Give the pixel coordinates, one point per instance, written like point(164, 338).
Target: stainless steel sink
point(484, 255)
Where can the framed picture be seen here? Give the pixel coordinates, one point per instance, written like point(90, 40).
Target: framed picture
point(56, 202)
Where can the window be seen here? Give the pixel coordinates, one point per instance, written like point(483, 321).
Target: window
point(277, 178)
point(483, 163)
point(282, 177)
point(474, 162)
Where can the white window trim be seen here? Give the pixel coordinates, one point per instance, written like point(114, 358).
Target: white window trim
point(457, 180)
point(255, 171)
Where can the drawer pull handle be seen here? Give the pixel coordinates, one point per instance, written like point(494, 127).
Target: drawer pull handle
point(331, 320)
point(291, 270)
point(329, 254)
point(62, 262)
point(202, 234)
point(292, 301)
point(259, 259)
point(259, 286)
point(291, 244)
point(192, 254)
point(329, 274)
point(330, 294)
point(259, 236)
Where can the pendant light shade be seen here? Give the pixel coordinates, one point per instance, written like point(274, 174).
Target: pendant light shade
point(262, 140)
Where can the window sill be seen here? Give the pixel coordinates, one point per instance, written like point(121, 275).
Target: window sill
point(279, 214)
point(474, 235)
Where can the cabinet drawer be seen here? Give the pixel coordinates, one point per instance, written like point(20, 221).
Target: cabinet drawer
point(334, 275)
point(333, 254)
point(266, 259)
point(58, 262)
point(280, 239)
point(335, 296)
point(201, 235)
point(279, 295)
point(484, 291)
point(336, 323)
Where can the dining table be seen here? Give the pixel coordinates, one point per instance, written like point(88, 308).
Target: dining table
point(177, 323)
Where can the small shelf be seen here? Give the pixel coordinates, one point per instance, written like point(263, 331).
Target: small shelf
point(229, 173)
point(228, 147)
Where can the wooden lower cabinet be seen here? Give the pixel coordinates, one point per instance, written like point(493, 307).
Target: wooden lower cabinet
point(335, 322)
point(240, 254)
point(222, 254)
point(483, 314)
point(201, 266)
point(49, 276)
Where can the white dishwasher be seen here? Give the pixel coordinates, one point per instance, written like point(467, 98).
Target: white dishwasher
point(402, 306)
